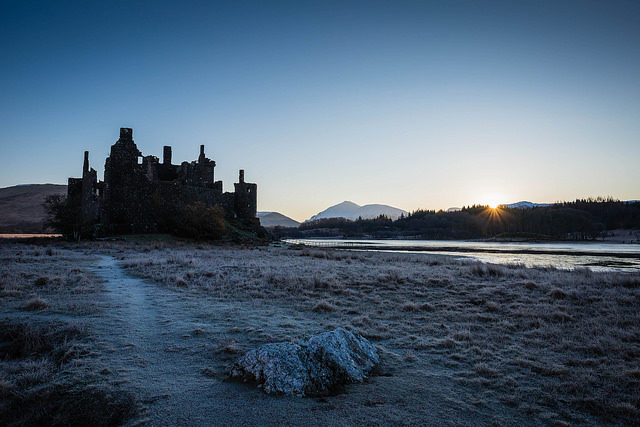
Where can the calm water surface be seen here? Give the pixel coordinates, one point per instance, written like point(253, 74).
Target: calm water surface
point(595, 256)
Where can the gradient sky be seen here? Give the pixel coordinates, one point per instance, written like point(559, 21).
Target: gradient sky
point(417, 104)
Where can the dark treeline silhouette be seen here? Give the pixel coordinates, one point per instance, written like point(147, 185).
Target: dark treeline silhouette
point(583, 219)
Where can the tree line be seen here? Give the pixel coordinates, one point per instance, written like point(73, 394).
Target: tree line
point(582, 219)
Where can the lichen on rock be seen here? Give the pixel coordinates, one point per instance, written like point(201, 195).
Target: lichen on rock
point(316, 366)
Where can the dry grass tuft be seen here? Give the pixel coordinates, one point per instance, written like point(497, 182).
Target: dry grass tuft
point(629, 282)
point(488, 270)
point(35, 303)
point(411, 306)
point(485, 370)
point(557, 294)
point(19, 340)
point(324, 307)
point(180, 282)
point(492, 307)
point(41, 281)
point(230, 348)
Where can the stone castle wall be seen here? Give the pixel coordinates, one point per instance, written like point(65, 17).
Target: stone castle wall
point(138, 192)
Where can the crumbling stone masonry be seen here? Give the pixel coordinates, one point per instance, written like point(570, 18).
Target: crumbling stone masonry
point(138, 192)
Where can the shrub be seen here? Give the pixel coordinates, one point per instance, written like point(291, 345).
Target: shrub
point(199, 221)
point(62, 216)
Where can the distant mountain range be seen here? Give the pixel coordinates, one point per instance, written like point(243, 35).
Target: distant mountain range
point(352, 211)
point(276, 219)
point(21, 207)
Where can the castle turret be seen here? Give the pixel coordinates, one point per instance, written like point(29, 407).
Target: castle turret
point(89, 200)
point(202, 157)
point(85, 167)
point(166, 155)
point(126, 134)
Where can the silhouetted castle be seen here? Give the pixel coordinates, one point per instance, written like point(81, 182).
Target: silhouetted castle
point(138, 192)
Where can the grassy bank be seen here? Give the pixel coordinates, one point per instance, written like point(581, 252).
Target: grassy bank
point(461, 342)
point(556, 346)
point(49, 368)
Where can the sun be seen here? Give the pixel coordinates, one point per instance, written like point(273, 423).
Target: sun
point(493, 201)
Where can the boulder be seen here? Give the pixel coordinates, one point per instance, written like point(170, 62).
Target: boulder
point(317, 366)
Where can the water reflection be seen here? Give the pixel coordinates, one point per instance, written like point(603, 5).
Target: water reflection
point(595, 256)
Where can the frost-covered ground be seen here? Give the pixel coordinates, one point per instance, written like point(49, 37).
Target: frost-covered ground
point(461, 342)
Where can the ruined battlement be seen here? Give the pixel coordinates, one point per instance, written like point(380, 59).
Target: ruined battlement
point(138, 191)
point(126, 134)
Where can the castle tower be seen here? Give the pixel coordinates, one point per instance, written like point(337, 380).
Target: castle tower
point(89, 199)
point(245, 197)
point(126, 187)
point(202, 157)
point(166, 155)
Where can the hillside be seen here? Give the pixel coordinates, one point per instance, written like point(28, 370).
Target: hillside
point(276, 219)
point(21, 207)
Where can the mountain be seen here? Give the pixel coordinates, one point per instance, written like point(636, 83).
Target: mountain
point(21, 207)
point(352, 211)
point(526, 205)
point(276, 219)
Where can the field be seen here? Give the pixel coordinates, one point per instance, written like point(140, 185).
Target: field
point(135, 332)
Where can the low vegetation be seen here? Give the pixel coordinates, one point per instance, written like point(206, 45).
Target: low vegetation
point(559, 346)
point(49, 372)
point(41, 383)
point(495, 343)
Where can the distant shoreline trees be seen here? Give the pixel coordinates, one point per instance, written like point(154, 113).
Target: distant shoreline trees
point(582, 219)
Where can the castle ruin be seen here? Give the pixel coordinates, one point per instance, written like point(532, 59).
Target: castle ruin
point(139, 192)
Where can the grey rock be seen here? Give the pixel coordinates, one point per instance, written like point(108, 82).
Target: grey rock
point(316, 366)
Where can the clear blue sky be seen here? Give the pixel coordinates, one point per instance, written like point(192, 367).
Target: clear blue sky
point(417, 104)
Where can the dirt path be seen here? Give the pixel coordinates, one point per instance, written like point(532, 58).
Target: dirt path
point(148, 335)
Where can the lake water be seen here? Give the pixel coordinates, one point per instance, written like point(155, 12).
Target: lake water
point(595, 256)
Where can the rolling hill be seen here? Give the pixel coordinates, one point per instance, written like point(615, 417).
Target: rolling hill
point(21, 206)
point(276, 219)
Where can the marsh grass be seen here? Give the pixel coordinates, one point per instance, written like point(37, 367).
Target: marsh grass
point(35, 303)
point(48, 375)
point(38, 384)
point(36, 278)
point(564, 343)
point(560, 347)
point(324, 306)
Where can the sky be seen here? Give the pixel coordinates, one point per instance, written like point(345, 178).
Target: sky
point(415, 104)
